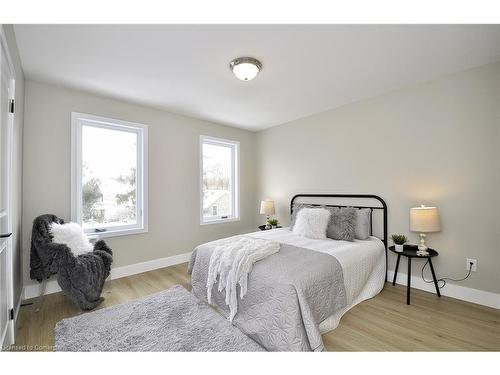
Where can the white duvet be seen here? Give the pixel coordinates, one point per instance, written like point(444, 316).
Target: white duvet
point(362, 261)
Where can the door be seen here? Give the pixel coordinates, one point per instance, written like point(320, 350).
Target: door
point(6, 134)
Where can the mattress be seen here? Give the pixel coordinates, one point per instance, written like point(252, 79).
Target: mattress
point(362, 261)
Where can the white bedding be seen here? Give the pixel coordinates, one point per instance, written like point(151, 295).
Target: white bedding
point(362, 261)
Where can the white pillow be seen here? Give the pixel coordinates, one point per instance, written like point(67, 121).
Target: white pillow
point(312, 223)
point(72, 235)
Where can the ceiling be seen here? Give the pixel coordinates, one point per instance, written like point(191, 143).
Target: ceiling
point(306, 68)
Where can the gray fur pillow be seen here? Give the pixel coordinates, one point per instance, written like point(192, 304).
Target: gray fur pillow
point(342, 224)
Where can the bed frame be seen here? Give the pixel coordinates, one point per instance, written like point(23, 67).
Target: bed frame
point(383, 206)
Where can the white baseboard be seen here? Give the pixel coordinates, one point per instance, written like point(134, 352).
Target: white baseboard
point(463, 293)
point(35, 290)
point(32, 291)
point(154, 264)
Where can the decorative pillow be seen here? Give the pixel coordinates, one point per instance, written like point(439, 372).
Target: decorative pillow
point(363, 223)
point(296, 208)
point(342, 224)
point(72, 235)
point(312, 223)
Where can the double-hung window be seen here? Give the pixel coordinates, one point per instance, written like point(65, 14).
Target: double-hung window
point(219, 177)
point(109, 175)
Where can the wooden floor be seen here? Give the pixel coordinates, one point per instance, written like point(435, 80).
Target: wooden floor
point(384, 323)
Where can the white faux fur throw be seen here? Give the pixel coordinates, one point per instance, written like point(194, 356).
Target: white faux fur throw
point(232, 260)
point(72, 235)
point(312, 223)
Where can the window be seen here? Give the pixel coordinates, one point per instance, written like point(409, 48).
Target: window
point(218, 180)
point(109, 175)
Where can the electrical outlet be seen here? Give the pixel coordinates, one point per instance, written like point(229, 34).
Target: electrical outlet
point(474, 264)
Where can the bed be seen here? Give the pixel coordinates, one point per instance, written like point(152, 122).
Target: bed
point(302, 291)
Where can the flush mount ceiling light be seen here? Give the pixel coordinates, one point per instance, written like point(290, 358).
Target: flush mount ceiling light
point(245, 68)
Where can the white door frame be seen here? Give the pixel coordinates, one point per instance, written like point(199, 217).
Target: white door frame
point(9, 136)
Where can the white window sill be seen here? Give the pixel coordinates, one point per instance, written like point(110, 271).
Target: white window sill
point(220, 221)
point(115, 233)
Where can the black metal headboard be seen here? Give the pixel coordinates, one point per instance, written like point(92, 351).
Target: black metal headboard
point(358, 196)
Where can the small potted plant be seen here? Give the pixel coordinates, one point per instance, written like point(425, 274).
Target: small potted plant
point(273, 223)
point(399, 240)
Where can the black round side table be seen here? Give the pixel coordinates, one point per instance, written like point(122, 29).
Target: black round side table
point(410, 251)
point(263, 227)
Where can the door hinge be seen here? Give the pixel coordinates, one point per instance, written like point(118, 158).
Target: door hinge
point(11, 314)
point(11, 105)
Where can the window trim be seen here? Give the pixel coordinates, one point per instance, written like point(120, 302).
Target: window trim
point(235, 196)
point(77, 121)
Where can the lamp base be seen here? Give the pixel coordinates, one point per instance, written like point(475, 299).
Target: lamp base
point(422, 248)
point(268, 226)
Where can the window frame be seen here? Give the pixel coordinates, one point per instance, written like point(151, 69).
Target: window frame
point(78, 120)
point(234, 183)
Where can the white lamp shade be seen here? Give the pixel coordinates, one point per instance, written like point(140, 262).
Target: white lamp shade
point(267, 207)
point(246, 71)
point(424, 219)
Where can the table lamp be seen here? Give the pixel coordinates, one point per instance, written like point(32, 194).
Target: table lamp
point(267, 208)
point(424, 220)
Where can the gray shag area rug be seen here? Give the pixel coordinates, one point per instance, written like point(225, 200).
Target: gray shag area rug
point(172, 320)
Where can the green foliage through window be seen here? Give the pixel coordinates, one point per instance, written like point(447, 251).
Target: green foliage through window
point(92, 195)
point(129, 197)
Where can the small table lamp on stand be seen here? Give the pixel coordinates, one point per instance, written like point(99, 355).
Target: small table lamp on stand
point(267, 208)
point(424, 220)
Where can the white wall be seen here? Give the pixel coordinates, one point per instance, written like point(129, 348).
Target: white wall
point(17, 162)
point(437, 143)
point(173, 172)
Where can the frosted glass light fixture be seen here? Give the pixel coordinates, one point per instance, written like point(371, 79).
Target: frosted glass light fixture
point(245, 68)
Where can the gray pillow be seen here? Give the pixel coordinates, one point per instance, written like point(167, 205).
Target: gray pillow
point(342, 224)
point(363, 223)
point(296, 208)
